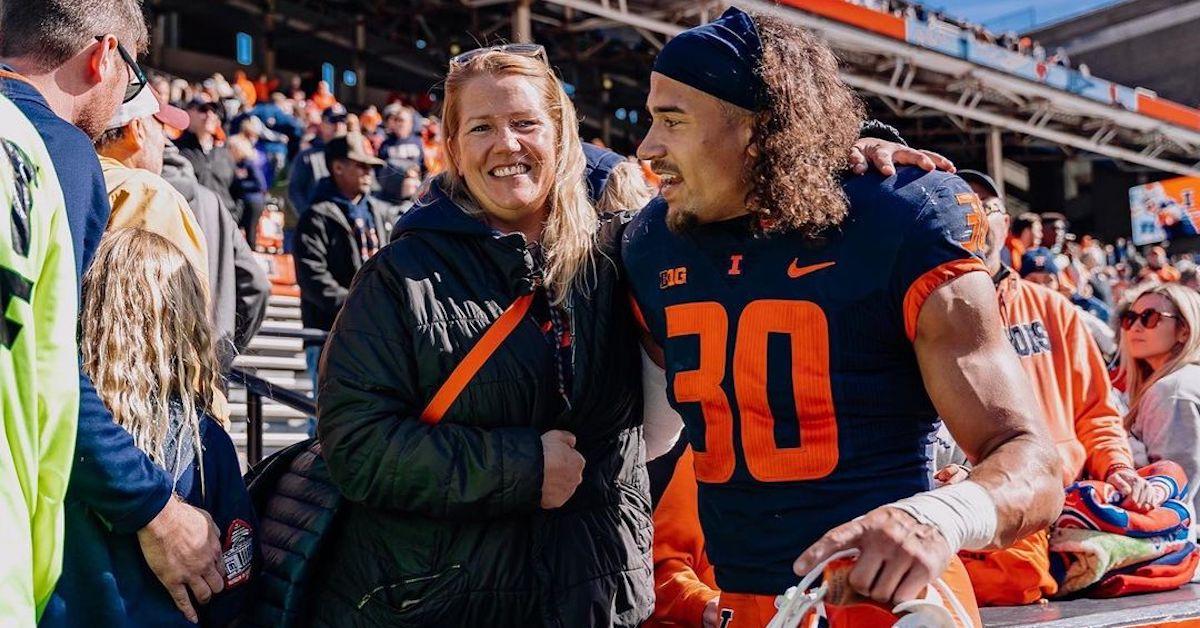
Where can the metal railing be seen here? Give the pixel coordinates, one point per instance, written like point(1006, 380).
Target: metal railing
point(258, 388)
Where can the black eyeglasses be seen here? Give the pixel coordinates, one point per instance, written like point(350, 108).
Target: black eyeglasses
point(535, 51)
point(1150, 318)
point(139, 77)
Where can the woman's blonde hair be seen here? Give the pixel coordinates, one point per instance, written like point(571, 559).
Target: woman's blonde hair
point(626, 189)
point(146, 338)
point(1139, 375)
point(569, 237)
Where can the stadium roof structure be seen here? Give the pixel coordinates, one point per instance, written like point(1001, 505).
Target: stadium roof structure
point(919, 67)
point(924, 70)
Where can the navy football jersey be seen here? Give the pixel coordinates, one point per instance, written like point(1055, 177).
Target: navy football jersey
point(791, 361)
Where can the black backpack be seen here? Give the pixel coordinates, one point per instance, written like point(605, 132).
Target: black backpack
point(297, 505)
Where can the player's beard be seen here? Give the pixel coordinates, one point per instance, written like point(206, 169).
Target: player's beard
point(682, 220)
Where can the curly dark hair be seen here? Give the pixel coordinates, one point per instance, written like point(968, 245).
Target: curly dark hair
point(803, 131)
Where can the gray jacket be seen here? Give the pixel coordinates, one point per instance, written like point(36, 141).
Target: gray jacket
point(1168, 424)
point(238, 283)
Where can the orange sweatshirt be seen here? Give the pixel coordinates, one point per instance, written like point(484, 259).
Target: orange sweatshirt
point(1068, 376)
point(683, 578)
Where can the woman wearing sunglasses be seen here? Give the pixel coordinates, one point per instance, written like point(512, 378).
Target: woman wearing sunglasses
point(1160, 362)
point(520, 498)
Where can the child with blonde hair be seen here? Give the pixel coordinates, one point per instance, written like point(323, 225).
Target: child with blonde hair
point(149, 349)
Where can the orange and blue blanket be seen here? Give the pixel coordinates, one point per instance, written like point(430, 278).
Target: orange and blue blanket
point(1102, 547)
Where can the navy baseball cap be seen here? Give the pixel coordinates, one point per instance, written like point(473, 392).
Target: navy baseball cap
point(1039, 260)
point(981, 179)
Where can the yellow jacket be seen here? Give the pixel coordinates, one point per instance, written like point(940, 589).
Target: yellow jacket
point(143, 200)
point(39, 369)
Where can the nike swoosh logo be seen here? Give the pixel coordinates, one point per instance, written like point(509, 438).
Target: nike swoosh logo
point(796, 272)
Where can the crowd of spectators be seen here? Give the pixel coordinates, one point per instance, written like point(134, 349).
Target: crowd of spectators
point(1009, 40)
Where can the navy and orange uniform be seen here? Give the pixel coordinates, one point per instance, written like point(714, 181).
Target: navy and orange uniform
point(791, 361)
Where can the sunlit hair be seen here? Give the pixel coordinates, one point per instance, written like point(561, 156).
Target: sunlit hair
point(569, 236)
point(804, 131)
point(626, 189)
point(146, 338)
point(1139, 375)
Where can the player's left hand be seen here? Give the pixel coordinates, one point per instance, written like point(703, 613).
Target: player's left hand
point(898, 556)
point(1137, 491)
point(884, 156)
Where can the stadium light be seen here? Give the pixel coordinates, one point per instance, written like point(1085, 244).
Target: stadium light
point(349, 78)
point(421, 44)
point(327, 73)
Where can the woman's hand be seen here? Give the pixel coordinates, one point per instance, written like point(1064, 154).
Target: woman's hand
point(562, 468)
point(884, 156)
point(1139, 494)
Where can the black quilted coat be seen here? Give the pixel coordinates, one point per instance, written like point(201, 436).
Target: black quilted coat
point(444, 526)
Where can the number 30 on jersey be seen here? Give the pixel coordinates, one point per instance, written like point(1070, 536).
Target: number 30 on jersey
point(805, 325)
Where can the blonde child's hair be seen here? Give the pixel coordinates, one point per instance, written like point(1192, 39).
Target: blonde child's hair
point(147, 340)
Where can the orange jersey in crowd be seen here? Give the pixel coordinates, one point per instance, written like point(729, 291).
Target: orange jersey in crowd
point(1068, 376)
point(683, 578)
point(1016, 249)
point(1072, 385)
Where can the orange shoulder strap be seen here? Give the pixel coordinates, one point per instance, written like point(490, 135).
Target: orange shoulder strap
point(479, 354)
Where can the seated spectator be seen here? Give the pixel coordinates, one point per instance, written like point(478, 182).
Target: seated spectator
point(212, 162)
point(250, 183)
point(1158, 265)
point(322, 98)
point(343, 228)
point(131, 156)
point(1070, 381)
point(310, 166)
point(1054, 231)
point(1160, 363)
point(432, 144)
point(1040, 266)
point(1189, 276)
point(148, 348)
point(401, 151)
point(1025, 234)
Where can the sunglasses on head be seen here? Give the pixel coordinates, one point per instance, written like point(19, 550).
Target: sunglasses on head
point(1150, 318)
point(139, 77)
point(525, 50)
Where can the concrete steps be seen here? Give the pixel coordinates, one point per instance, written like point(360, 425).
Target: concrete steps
point(280, 361)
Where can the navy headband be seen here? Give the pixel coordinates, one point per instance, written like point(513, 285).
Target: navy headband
point(719, 58)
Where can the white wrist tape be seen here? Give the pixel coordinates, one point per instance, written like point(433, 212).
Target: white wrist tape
point(964, 513)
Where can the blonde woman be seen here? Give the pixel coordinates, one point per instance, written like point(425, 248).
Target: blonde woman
point(1160, 362)
point(149, 350)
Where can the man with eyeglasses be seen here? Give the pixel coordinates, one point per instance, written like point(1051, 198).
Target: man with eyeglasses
point(1071, 383)
point(67, 65)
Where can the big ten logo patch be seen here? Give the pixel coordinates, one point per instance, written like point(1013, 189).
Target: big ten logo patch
point(672, 277)
point(1029, 338)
